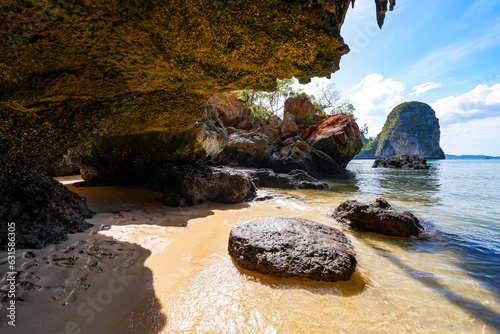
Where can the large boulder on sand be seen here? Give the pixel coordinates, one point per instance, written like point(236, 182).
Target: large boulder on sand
point(296, 154)
point(291, 247)
point(339, 137)
point(403, 161)
point(194, 184)
point(377, 217)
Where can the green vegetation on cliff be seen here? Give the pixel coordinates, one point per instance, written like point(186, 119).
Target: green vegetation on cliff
point(411, 128)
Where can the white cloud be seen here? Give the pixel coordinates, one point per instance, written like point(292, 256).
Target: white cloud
point(424, 88)
point(479, 103)
point(480, 136)
point(374, 98)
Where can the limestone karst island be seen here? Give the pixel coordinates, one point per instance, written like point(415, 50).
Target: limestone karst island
point(237, 166)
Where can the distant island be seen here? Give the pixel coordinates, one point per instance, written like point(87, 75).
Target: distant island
point(465, 157)
point(411, 128)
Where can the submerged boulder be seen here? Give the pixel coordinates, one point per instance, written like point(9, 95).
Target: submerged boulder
point(291, 247)
point(378, 217)
point(402, 161)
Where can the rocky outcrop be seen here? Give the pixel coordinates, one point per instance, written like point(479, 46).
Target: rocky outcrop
point(296, 179)
point(194, 184)
point(244, 149)
point(42, 209)
point(296, 154)
point(45, 217)
point(134, 158)
point(232, 111)
point(402, 161)
point(378, 217)
point(289, 126)
point(291, 247)
point(412, 129)
point(299, 107)
point(339, 137)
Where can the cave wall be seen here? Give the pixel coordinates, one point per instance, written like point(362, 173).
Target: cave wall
point(74, 70)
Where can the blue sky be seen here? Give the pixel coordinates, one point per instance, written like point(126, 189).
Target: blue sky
point(445, 53)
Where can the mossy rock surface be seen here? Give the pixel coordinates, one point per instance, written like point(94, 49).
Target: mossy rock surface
point(75, 70)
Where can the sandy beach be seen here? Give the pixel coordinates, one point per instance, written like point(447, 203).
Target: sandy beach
point(147, 268)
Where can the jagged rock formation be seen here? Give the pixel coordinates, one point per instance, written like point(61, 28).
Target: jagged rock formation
point(291, 247)
point(248, 149)
point(379, 217)
point(322, 148)
point(71, 71)
point(402, 161)
point(232, 111)
point(339, 137)
point(297, 154)
point(412, 129)
point(299, 107)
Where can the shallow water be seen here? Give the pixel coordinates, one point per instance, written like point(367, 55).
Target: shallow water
point(447, 281)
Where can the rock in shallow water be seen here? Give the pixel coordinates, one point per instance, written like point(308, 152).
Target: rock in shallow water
point(403, 161)
point(195, 184)
point(378, 217)
point(292, 247)
point(296, 179)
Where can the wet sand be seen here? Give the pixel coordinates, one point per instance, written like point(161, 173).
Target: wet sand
point(147, 268)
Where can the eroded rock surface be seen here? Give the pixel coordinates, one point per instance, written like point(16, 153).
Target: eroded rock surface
point(194, 184)
point(339, 137)
point(402, 161)
point(296, 179)
point(378, 217)
point(291, 247)
point(245, 149)
point(134, 158)
point(294, 153)
point(299, 107)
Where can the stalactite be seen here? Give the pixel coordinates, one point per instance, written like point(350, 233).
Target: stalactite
point(382, 9)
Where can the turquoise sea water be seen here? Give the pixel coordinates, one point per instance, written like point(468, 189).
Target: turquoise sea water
point(459, 201)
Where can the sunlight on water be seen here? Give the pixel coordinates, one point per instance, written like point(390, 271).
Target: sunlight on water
point(444, 282)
